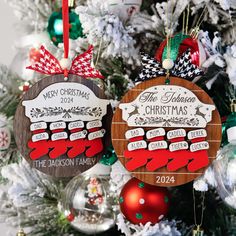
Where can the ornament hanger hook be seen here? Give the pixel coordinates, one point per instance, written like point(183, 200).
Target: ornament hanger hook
point(198, 230)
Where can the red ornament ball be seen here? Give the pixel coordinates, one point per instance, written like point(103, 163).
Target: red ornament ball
point(181, 43)
point(70, 217)
point(25, 88)
point(34, 55)
point(143, 203)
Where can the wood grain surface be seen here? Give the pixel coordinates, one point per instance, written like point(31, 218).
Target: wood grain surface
point(182, 176)
point(23, 134)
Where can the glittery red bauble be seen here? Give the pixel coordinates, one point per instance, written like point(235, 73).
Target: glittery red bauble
point(25, 88)
point(34, 55)
point(70, 217)
point(198, 55)
point(142, 203)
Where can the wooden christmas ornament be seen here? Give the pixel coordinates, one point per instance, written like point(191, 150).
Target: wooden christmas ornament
point(62, 128)
point(166, 135)
point(62, 124)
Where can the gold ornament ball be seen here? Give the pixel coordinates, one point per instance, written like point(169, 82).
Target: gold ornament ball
point(21, 233)
point(197, 231)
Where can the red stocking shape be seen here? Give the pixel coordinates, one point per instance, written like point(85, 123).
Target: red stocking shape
point(159, 159)
point(40, 149)
point(179, 160)
point(138, 158)
point(200, 160)
point(59, 148)
point(77, 148)
point(95, 147)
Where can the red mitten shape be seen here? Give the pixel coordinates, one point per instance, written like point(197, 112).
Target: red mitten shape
point(179, 159)
point(59, 148)
point(159, 159)
point(200, 160)
point(138, 158)
point(77, 148)
point(40, 149)
point(94, 147)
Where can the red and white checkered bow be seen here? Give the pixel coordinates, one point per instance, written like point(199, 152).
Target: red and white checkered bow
point(81, 65)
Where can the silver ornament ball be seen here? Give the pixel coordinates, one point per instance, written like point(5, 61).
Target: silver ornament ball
point(88, 203)
point(224, 171)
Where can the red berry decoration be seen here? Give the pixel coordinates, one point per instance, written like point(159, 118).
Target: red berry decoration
point(143, 203)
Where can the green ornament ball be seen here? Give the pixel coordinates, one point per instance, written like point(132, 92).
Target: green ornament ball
point(224, 140)
point(55, 27)
point(228, 127)
point(110, 157)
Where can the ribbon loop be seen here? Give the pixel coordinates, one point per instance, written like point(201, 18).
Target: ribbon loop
point(81, 65)
point(183, 68)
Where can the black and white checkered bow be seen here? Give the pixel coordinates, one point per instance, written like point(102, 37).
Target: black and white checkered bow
point(182, 68)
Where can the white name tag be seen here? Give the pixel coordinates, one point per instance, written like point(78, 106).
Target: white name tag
point(155, 133)
point(76, 125)
point(177, 133)
point(199, 133)
point(199, 146)
point(178, 146)
point(39, 137)
point(137, 145)
point(157, 145)
point(78, 135)
point(58, 125)
point(59, 136)
point(132, 133)
point(38, 126)
point(97, 134)
point(94, 124)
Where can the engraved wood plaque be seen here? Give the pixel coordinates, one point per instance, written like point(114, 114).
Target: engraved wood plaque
point(62, 128)
point(166, 135)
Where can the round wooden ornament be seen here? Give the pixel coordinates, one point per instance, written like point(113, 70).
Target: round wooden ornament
point(62, 127)
point(166, 135)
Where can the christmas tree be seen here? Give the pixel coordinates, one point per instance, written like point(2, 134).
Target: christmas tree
point(119, 32)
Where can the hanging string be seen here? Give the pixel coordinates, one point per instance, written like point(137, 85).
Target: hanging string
point(66, 26)
point(187, 19)
point(167, 30)
point(65, 17)
point(183, 22)
point(99, 51)
point(200, 21)
point(97, 60)
point(168, 38)
point(171, 20)
point(202, 210)
point(167, 44)
point(200, 17)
